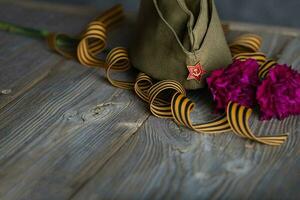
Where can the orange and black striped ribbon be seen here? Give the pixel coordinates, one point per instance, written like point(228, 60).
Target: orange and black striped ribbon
point(118, 60)
point(94, 38)
point(180, 107)
point(181, 111)
point(238, 117)
point(93, 41)
point(258, 56)
point(265, 68)
point(246, 43)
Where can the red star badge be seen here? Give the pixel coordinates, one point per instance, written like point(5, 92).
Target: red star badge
point(196, 72)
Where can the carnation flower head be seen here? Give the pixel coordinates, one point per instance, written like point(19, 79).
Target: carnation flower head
point(279, 94)
point(237, 83)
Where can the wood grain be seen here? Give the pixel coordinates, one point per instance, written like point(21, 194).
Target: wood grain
point(163, 161)
point(65, 133)
point(62, 131)
point(54, 135)
point(24, 61)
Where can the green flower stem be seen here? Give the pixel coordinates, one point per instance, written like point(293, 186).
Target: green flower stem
point(67, 42)
point(30, 32)
point(61, 41)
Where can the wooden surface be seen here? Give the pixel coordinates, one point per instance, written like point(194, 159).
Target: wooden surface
point(65, 133)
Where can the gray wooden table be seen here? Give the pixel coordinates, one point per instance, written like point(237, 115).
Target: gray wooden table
point(65, 133)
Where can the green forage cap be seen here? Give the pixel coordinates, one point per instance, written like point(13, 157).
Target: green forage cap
point(174, 34)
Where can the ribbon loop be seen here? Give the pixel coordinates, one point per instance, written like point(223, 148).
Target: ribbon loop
point(159, 107)
point(142, 85)
point(118, 60)
point(238, 117)
point(181, 107)
point(93, 41)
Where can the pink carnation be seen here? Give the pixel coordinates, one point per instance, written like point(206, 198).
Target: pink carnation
point(237, 83)
point(279, 94)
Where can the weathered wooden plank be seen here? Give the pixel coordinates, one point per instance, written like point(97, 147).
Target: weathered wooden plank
point(57, 135)
point(25, 61)
point(162, 161)
point(69, 127)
